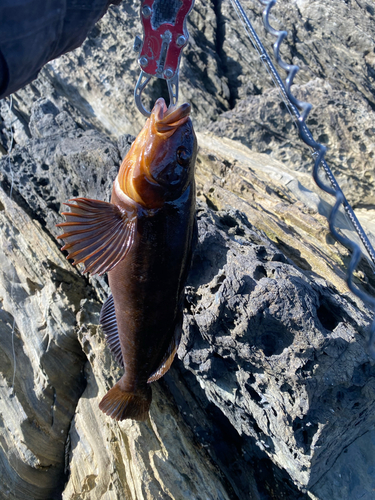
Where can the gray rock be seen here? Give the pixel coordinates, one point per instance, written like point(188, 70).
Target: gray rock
point(345, 481)
point(340, 120)
point(280, 352)
point(274, 394)
point(60, 162)
point(41, 360)
point(221, 73)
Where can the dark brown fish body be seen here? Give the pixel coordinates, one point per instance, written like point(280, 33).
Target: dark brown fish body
point(143, 239)
point(148, 287)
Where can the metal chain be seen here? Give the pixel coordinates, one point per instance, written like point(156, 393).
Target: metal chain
point(300, 111)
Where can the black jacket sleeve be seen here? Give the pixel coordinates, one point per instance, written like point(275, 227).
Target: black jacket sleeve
point(33, 32)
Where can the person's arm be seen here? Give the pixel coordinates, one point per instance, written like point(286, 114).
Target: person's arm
point(33, 32)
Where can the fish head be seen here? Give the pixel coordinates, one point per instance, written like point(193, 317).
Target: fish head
point(174, 148)
point(160, 164)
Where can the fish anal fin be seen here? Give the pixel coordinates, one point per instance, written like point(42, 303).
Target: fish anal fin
point(168, 357)
point(120, 405)
point(97, 233)
point(108, 323)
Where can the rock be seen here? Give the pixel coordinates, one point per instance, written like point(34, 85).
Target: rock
point(41, 360)
point(280, 353)
point(272, 397)
point(153, 459)
point(340, 480)
point(340, 120)
point(286, 205)
point(332, 42)
point(59, 150)
point(337, 81)
point(228, 86)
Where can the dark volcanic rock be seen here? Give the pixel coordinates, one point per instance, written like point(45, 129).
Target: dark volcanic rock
point(277, 350)
point(61, 161)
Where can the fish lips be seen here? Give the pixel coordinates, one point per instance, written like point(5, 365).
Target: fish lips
point(168, 120)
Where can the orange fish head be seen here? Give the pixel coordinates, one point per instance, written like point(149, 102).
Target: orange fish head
point(160, 164)
point(174, 149)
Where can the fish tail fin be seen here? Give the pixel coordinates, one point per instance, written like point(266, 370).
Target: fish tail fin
point(119, 404)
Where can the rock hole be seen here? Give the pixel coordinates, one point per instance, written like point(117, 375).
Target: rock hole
point(323, 138)
point(228, 220)
point(216, 287)
point(309, 27)
point(275, 337)
point(261, 252)
point(259, 272)
point(304, 433)
point(288, 388)
point(253, 394)
point(211, 204)
point(251, 379)
point(327, 316)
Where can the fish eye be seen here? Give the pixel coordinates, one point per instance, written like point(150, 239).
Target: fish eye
point(183, 156)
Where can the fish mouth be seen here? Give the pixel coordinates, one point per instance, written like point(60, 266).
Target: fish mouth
point(169, 119)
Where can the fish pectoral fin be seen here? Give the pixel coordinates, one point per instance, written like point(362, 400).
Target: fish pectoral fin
point(108, 323)
point(168, 356)
point(98, 234)
point(119, 404)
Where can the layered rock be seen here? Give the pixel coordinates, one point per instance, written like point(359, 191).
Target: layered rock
point(273, 394)
point(153, 459)
point(41, 360)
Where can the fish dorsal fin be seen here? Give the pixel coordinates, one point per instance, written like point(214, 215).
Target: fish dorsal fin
point(98, 234)
point(168, 356)
point(108, 322)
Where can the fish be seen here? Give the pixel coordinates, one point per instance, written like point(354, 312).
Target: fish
point(143, 238)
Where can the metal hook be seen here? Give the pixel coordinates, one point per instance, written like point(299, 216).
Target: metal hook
point(138, 92)
point(144, 78)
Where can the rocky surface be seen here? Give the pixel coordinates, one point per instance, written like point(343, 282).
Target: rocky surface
point(343, 122)
point(333, 44)
point(273, 394)
point(266, 340)
point(153, 459)
point(40, 357)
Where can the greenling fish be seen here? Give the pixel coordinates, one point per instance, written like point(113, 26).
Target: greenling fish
point(143, 239)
